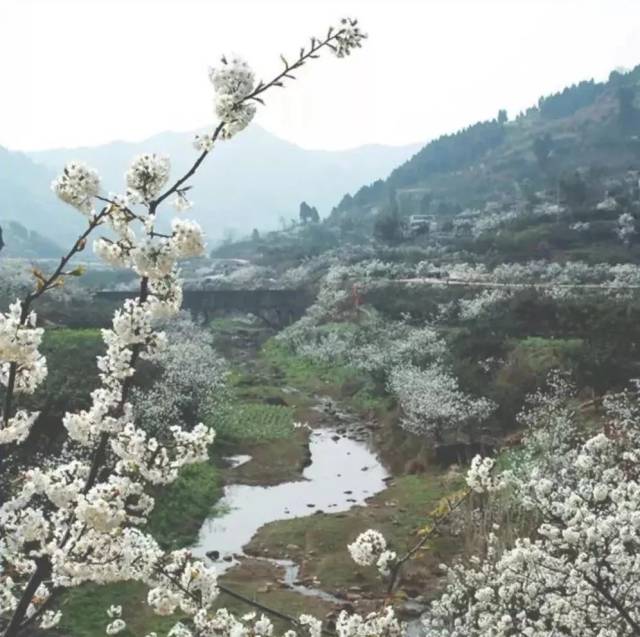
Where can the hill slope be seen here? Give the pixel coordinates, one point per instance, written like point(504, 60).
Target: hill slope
point(574, 149)
point(26, 198)
point(25, 243)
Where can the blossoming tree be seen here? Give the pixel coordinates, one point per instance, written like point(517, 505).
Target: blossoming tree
point(82, 519)
point(579, 573)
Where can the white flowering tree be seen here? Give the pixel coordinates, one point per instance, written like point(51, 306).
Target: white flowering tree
point(626, 227)
point(579, 574)
point(433, 403)
point(83, 519)
point(189, 382)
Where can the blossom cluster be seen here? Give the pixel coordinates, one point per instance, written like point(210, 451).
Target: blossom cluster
point(20, 364)
point(77, 185)
point(433, 403)
point(370, 548)
point(19, 343)
point(146, 176)
point(626, 227)
point(481, 477)
point(233, 82)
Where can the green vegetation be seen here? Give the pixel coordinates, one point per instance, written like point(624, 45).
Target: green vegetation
point(72, 376)
point(254, 421)
point(399, 512)
point(357, 389)
point(182, 506)
point(84, 611)
point(71, 357)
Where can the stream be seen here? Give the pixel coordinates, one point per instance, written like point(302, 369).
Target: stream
point(343, 472)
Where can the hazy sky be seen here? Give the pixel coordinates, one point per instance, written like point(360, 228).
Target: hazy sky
point(82, 72)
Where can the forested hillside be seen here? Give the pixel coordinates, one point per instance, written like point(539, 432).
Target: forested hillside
point(577, 149)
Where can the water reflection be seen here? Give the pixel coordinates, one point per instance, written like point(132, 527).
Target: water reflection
point(343, 472)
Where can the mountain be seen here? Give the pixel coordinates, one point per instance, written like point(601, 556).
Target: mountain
point(29, 244)
point(250, 181)
point(26, 198)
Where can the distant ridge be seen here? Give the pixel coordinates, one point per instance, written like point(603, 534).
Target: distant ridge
point(251, 181)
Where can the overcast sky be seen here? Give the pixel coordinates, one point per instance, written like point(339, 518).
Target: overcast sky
point(83, 72)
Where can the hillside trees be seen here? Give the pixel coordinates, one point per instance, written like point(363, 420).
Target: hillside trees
point(573, 189)
point(308, 213)
point(628, 115)
point(570, 99)
point(189, 383)
point(542, 148)
point(433, 404)
point(387, 226)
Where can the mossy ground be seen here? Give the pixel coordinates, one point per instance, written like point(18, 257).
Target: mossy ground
point(319, 542)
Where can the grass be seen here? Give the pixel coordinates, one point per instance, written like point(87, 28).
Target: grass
point(182, 506)
point(303, 372)
point(84, 611)
point(399, 512)
point(353, 387)
point(73, 371)
point(231, 323)
point(542, 354)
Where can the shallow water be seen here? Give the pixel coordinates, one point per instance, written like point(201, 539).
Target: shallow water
point(343, 472)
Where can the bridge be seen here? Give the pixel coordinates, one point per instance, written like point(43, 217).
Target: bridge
point(276, 307)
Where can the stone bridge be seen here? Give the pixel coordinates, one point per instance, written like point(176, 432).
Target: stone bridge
point(276, 307)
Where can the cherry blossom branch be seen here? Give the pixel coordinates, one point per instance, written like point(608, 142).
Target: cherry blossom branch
point(304, 56)
point(132, 331)
point(242, 598)
point(176, 186)
point(45, 284)
point(43, 570)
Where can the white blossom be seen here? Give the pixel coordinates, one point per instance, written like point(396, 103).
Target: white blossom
point(626, 227)
point(370, 548)
point(78, 185)
point(233, 82)
point(50, 619)
point(187, 239)
point(147, 175)
point(115, 627)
